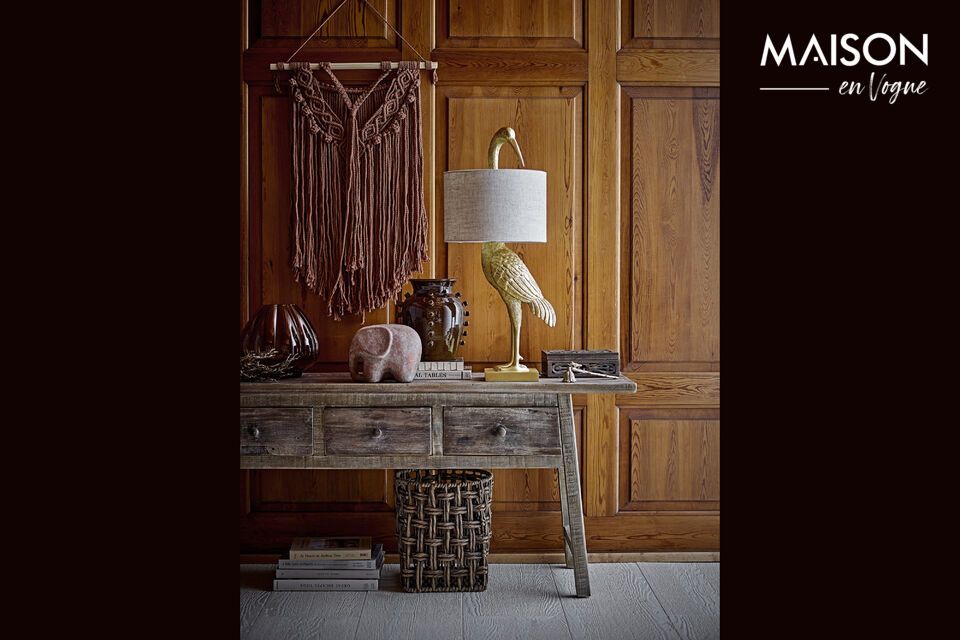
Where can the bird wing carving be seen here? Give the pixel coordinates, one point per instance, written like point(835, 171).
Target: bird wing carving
point(516, 281)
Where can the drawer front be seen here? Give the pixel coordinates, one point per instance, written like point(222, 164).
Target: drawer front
point(276, 432)
point(484, 431)
point(368, 431)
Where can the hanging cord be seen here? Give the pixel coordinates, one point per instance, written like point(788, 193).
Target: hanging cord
point(382, 19)
point(402, 39)
point(317, 30)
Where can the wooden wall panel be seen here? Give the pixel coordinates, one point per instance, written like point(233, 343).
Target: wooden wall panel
point(548, 122)
point(325, 490)
point(510, 23)
point(676, 19)
point(601, 302)
point(284, 23)
point(513, 532)
point(671, 23)
point(672, 292)
point(670, 460)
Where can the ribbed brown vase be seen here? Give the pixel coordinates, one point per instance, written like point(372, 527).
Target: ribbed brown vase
point(437, 314)
point(283, 329)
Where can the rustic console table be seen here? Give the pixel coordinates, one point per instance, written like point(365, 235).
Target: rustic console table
point(325, 421)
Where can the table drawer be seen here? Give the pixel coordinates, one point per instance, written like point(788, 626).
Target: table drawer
point(368, 431)
point(476, 431)
point(277, 432)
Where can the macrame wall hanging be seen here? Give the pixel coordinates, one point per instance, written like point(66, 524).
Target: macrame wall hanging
point(359, 227)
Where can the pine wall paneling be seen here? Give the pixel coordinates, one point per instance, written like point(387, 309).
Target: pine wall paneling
point(676, 24)
point(504, 24)
point(619, 103)
point(286, 22)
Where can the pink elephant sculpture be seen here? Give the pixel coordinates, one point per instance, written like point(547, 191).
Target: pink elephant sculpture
point(382, 349)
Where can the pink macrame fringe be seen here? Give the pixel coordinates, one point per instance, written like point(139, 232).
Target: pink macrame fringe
point(359, 226)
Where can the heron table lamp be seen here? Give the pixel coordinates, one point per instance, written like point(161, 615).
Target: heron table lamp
point(494, 206)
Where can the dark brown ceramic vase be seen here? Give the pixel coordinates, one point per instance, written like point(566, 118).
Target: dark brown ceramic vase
point(437, 315)
point(278, 342)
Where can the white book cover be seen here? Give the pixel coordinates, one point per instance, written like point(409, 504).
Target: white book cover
point(325, 585)
point(374, 563)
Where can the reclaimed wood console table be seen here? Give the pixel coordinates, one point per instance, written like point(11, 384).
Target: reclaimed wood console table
point(326, 421)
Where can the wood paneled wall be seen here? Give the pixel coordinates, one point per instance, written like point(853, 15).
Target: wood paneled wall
point(620, 103)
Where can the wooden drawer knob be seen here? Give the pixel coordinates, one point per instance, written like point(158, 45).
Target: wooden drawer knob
point(377, 432)
point(500, 431)
point(254, 431)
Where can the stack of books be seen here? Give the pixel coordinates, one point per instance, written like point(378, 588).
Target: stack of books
point(443, 370)
point(330, 564)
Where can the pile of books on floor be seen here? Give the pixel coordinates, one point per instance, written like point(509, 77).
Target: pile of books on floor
point(443, 370)
point(330, 564)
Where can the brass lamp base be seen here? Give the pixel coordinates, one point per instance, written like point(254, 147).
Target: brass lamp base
point(494, 375)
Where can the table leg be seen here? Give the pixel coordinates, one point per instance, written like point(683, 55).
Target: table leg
point(574, 512)
point(565, 517)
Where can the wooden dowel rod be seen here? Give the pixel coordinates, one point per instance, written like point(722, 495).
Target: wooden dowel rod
point(281, 66)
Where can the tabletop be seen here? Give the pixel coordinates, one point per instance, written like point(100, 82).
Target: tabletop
point(341, 383)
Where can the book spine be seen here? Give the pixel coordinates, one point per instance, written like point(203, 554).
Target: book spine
point(445, 365)
point(327, 574)
point(327, 564)
point(325, 585)
point(439, 375)
point(329, 554)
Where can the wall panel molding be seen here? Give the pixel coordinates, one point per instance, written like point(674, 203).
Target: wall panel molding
point(670, 460)
point(285, 23)
point(505, 24)
point(511, 66)
point(699, 67)
point(673, 389)
point(549, 125)
point(655, 24)
point(516, 532)
point(670, 310)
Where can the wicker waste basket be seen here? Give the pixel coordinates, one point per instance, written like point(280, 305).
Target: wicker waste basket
point(443, 529)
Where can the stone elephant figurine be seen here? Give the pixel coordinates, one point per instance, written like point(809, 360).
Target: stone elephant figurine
point(381, 349)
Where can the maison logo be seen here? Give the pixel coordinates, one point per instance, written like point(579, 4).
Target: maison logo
point(877, 50)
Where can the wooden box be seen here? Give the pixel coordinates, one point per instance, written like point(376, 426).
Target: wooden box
point(555, 362)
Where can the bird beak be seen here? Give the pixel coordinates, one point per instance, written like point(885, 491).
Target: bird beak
point(516, 147)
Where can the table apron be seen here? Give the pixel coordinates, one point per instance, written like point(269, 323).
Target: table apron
point(401, 462)
point(320, 400)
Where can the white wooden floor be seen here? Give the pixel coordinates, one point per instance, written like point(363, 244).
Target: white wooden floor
point(522, 601)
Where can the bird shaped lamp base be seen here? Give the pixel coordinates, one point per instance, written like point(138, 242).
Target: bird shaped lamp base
point(496, 375)
point(507, 273)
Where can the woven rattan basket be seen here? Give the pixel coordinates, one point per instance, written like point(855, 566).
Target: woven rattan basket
point(443, 529)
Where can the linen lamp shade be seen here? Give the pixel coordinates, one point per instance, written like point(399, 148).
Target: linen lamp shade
point(495, 205)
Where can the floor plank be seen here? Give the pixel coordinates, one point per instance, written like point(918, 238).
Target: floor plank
point(690, 595)
point(520, 602)
point(630, 600)
point(621, 605)
point(255, 583)
point(295, 615)
point(711, 571)
point(392, 614)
